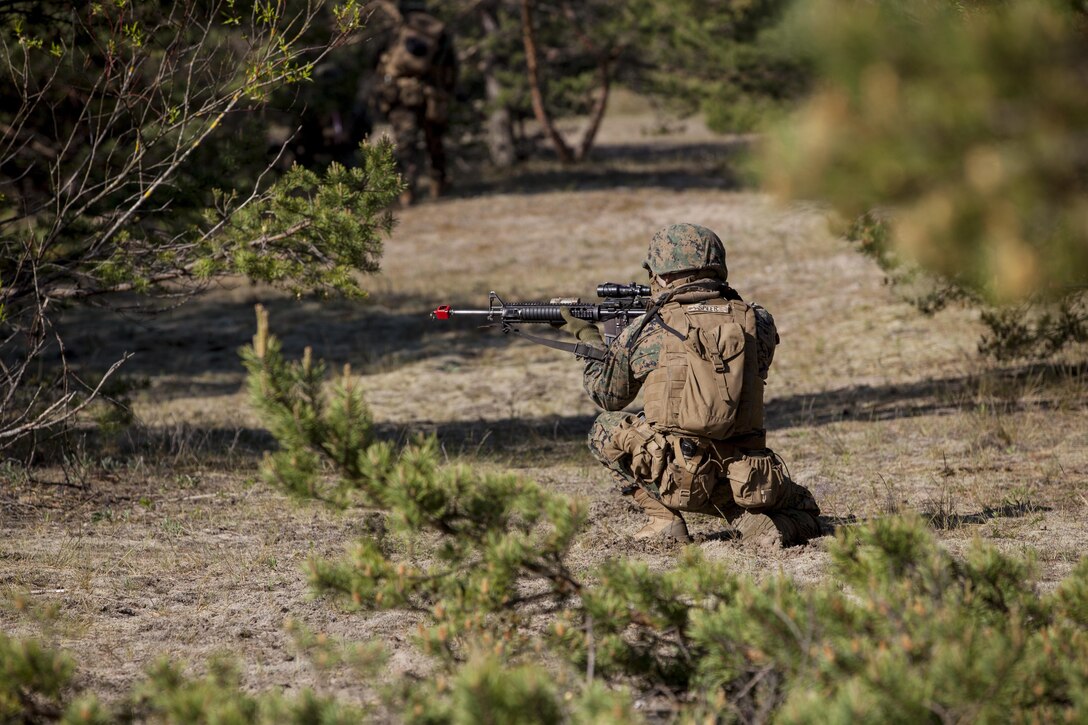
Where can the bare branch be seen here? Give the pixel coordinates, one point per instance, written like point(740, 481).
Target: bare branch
point(60, 411)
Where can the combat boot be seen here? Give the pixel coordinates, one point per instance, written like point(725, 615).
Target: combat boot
point(664, 522)
point(799, 525)
point(778, 529)
point(758, 530)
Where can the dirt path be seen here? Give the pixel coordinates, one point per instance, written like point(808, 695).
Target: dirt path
point(175, 551)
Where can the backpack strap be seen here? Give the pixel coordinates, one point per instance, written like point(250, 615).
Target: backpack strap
point(654, 310)
point(719, 367)
point(679, 335)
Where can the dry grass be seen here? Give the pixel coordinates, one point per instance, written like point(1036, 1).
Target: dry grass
point(171, 548)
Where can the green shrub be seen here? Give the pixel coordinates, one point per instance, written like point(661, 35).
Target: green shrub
point(169, 696)
point(32, 679)
point(1035, 328)
point(900, 631)
point(959, 120)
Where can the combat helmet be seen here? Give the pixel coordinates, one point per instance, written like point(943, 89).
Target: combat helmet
point(685, 248)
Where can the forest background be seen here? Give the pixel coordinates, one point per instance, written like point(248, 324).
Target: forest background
point(164, 166)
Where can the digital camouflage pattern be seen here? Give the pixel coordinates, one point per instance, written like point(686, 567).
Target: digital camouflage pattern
point(599, 436)
point(686, 247)
point(409, 124)
point(418, 110)
point(614, 382)
point(766, 340)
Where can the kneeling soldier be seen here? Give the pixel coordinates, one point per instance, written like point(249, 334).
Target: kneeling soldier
point(702, 354)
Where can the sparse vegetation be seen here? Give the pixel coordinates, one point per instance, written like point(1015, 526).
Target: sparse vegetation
point(130, 166)
point(954, 120)
point(558, 63)
point(917, 632)
point(449, 551)
point(194, 566)
point(1033, 329)
point(902, 629)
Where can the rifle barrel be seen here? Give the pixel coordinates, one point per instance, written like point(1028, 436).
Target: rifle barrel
point(545, 312)
point(445, 312)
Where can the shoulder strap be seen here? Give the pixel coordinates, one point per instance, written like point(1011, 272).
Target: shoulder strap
point(679, 335)
point(580, 349)
point(654, 310)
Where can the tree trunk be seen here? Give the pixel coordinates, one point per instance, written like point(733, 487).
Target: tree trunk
point(499, 126)
point(531, 62)
point(599, 106)
point(605, 59)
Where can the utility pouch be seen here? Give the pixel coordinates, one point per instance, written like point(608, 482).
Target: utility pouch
point(697, 388)
point(758, 480)
point(386, 94)
point(690, 474)
point(646, 449)
point(708, 404)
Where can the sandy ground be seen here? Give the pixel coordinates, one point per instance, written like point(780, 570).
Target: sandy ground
point(163, 543)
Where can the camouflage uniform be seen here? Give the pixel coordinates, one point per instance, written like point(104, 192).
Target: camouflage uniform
point(418, 106)
point(614, 382)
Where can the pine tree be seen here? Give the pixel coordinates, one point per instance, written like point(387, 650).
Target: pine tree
point(555, 59)
point(962, 123)
point(131, 161)
point(32, 679)
point(900, 630)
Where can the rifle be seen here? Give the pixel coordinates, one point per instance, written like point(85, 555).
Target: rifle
point(622, 304)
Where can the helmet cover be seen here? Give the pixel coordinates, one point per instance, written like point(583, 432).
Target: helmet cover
point(685, 248)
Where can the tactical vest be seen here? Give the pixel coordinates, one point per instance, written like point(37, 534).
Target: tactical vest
point(707, 383)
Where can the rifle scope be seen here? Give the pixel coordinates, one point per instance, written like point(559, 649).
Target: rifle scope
point(612, 289)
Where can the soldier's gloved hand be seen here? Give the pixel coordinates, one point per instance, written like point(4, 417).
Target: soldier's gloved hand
point(580, 329)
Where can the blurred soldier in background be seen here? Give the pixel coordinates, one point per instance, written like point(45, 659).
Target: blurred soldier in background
point(416, 77)
point(335, 117)
point(701, 356)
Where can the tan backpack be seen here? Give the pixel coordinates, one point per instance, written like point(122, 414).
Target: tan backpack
point(703, 411)
point(413, 51)
point(697, 388)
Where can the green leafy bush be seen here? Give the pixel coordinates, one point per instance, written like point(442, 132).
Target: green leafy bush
point(135, 158)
